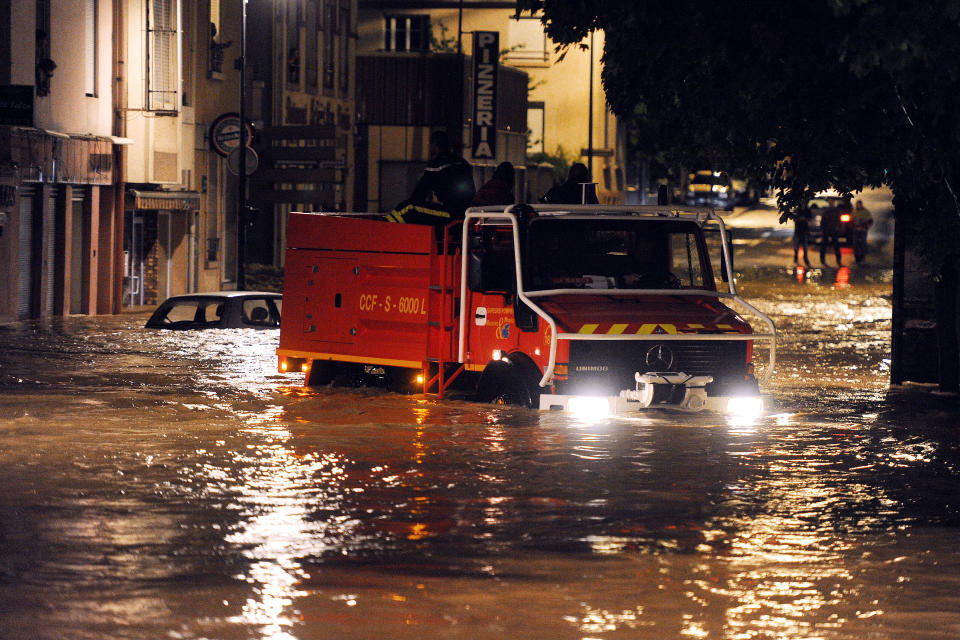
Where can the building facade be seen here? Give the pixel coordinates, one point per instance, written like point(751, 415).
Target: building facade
point(401, 98)
point(180, 212)
point(60, 185)
point(566, 113)
point(298, 77)
point(301, 74)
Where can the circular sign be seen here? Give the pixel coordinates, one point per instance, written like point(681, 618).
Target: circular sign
point(225, 133)
point(233, 161)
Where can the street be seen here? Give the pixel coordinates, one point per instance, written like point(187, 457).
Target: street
point(174, 485)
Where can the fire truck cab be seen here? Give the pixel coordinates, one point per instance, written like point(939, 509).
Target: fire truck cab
point(580, 307)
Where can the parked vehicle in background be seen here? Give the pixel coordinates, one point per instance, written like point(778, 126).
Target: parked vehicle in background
point(744, 193)
point(710, 189)
point(825, 205)
point(219, 310)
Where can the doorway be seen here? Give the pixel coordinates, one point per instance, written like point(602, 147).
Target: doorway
point(133, 254)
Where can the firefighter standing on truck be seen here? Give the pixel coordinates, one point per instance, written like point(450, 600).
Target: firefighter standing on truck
point(448, 178)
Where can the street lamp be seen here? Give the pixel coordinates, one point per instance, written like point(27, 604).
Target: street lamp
point(589, 114)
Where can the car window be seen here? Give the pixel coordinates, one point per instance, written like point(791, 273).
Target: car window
point(182, 311)
point(213, 312)
point(257, 312)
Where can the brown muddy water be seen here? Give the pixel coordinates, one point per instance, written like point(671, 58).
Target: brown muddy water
point(174, 485)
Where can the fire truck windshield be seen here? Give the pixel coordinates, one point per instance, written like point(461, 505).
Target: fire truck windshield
point(614, 253)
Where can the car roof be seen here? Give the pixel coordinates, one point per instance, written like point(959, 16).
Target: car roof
point(226, 294)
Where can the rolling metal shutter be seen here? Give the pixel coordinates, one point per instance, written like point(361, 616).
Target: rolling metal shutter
point(25, 261)
point(48, 228)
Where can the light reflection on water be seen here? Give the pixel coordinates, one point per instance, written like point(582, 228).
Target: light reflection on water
point(163, 463)
point(275, 530)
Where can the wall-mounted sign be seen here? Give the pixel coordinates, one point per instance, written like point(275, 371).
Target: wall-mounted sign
point(486, 62)
point(252, 161)
point(16, 105)
point(225, 133)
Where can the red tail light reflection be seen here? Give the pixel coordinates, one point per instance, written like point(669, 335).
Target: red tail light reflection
point(843, 278)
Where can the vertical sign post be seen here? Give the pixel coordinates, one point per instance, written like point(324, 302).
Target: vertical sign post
point(486, 61)
point(242, 182)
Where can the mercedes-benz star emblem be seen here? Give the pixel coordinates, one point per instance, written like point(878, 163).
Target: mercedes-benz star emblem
point(659, 358)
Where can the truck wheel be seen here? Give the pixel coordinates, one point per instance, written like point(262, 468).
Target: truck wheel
point(321, 373)
point(505, 383)
point(348, 374)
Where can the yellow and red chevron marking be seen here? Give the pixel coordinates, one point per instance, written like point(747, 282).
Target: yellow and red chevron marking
point(650, 328)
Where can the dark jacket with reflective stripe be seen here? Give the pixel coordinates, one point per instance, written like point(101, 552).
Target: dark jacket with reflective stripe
point(450, 178)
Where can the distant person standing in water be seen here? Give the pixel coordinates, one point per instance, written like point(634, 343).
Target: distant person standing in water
point(801, 232)
point(571, 191)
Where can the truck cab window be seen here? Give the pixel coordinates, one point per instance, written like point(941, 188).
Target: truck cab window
point(613, 254)
point(685, 260)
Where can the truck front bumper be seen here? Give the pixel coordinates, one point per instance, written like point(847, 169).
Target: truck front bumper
point(657, 390)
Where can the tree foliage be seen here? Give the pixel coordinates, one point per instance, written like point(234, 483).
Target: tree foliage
point(815, 94)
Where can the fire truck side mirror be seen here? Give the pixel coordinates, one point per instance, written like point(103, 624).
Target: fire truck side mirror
point(525, 317)
point(489, 262)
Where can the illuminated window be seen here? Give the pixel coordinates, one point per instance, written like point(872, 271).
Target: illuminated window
point(527, 41)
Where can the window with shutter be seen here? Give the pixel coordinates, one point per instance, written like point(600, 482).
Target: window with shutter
point(312, 55)
point(293, 45)
point(43, 65)
point(344, 57)
point(90, 48)
point(162, 55)
point(330, 29)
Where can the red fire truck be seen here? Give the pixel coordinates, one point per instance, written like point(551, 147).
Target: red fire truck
point(581, 307)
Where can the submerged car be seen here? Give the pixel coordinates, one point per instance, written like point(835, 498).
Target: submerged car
point(711, 189)
point(219, 310)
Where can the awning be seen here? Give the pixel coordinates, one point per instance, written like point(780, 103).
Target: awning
point(163, 200)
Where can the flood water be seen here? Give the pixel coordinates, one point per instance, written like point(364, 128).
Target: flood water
point(174, 485)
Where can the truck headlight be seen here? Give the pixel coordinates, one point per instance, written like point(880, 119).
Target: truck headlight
point(745, 407)
point(589, 407)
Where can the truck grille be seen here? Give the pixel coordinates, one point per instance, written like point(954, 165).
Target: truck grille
point(607, 366)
